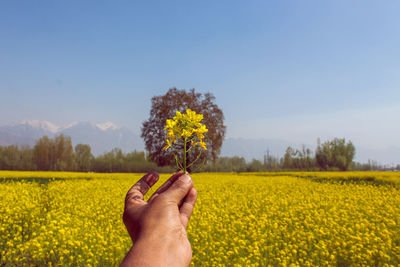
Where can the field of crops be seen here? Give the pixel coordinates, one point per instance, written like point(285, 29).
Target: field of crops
point(258, 219)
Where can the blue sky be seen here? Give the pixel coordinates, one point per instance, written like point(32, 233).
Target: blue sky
point(296, 70)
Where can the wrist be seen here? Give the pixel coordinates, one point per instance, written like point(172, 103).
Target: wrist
point(156, 251)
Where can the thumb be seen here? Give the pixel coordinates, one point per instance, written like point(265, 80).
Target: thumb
point(179, 189)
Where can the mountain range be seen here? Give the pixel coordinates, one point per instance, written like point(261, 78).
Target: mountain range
point(103, 137)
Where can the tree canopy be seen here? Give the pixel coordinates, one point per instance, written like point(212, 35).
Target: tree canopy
point(335, 154)
point(165, 106)
point(53, 154)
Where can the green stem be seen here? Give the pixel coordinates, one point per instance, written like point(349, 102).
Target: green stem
point(184, 155)
point(178, 162)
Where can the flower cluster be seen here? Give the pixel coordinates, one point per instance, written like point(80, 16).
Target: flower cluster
point(186, 127)
point(186, 131)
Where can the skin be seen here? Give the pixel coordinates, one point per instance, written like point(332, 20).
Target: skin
point(158, 226)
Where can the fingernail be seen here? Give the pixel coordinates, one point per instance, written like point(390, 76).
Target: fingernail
point(185, 178)
point(151, 177)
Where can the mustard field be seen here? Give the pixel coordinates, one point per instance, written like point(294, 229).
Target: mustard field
point(248, 219)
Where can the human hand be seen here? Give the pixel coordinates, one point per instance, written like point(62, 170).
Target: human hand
point(158, 227)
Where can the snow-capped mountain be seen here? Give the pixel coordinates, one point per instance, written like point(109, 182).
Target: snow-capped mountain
point(107, 125)
point(41, 125)
point(101, 137)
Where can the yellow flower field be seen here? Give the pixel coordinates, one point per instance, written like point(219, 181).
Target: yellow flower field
point(259, 219)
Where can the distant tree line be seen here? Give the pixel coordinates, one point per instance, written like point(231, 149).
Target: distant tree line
point(58, 154)
point(332, 155)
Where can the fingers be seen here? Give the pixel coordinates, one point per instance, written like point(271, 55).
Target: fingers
point(179, 189)
point(166, 185)
point(187, 206)
point(139, 189)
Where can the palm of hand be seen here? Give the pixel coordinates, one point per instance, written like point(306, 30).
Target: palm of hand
point(165, 216)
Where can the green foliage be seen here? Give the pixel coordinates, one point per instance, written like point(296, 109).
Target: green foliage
point(83, 157)
point(236, 164)
point(226, 164)
point(298, 159)
point(331, 155)
point(54, 154)
point(58, 155)
point(335, 154)
point(255, 166)
point(15, 158)
point(117, 161)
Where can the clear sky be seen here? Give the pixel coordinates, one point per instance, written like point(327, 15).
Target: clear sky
point(295, 70)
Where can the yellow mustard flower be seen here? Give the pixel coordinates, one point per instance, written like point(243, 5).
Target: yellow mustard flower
point(185, 130)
